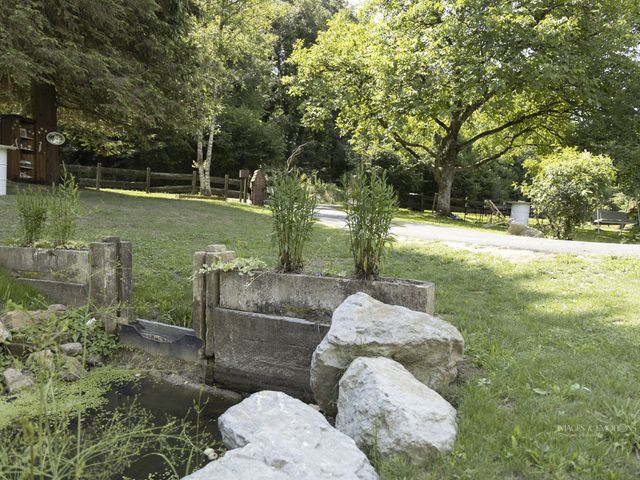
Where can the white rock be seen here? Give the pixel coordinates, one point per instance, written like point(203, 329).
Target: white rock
point(267, 413)
point(361, 326)
point(282, 459)
point(57, 307)
point(384, 408)
point(15, 380)
point(5, 334)
point(523, 230)
point(72, 348)
point(278, 437)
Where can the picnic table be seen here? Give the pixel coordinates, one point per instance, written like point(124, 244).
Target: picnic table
point(608, 217)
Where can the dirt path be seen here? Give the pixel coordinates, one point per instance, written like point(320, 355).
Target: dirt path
point(334, 217)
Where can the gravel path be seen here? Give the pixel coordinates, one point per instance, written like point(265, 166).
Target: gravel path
point(334, 217)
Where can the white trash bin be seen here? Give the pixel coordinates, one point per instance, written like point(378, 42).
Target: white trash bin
point(520, 212)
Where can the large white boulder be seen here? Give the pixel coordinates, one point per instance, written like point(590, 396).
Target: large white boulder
point(266, 414)
point(278, 437)
point(384, 408)
point(288, 459)
point(361, 326)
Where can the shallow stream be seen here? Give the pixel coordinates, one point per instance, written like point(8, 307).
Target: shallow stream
point(164, 400)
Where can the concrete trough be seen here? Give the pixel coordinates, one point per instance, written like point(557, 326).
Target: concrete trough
point(255, 351)
point(315, 297)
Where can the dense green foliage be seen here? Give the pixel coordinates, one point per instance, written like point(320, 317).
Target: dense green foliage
point(293, 205)
point(481, 81)
point(120, 65)
point(371, 204)
point(32, 205)
point(566, 187)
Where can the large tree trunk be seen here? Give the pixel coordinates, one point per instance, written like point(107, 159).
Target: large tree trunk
point(445, 182)
point(444, 170)
point(44, 110)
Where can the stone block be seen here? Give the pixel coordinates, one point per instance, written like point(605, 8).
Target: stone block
point(257, 352)
point(315, 297)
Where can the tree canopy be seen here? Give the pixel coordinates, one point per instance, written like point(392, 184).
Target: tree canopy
point(116, 63)
point(459, 84)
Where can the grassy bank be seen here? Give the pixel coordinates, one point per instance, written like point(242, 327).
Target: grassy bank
point(551, 387)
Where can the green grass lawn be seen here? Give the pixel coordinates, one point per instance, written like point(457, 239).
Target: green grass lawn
point(551, 388)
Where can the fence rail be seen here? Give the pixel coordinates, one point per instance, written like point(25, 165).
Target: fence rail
point(128, 179)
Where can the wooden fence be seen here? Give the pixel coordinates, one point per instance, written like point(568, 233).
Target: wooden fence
point(122, 178)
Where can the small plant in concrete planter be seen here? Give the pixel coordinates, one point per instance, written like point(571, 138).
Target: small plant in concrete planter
point(32, 204)
point(293, 206)
point(371, 205)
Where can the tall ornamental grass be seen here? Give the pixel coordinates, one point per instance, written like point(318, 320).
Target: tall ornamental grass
point(293, 205)
point(32, 204)
point(371, 205)
point(64, 206)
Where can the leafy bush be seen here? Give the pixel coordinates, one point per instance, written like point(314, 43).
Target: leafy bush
point(293, 205)
point(64, 206)
point(567, 187)
point(32, 206)
point(324, 192)
point(371, 205)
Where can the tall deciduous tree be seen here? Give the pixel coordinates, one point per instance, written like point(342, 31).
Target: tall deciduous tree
point(233, 40)
point(117, 63)
point(443, 78)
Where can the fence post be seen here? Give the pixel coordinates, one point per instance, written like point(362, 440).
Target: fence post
point(194, 182)
point(226, 186)
point(147, 181)
point(435, 200)
point(98, 176)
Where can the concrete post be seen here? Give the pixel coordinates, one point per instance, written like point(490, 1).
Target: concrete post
point(206, 292)
point(198, 307)
point(103, 283)
point(125, 281)
point(111, 281)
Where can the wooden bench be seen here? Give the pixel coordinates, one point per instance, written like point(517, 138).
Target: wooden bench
point(608, 217)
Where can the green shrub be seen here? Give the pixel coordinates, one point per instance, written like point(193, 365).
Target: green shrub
point(324, 192)
point(371, 205)
point(64, 207)
point(293, 205)
point(32, 206)
point(567, 187)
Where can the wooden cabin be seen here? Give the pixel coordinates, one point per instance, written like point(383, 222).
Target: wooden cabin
point(35, 160)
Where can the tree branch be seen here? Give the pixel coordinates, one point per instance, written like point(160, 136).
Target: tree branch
point(408, 146)
point(502, 152)
point(441, 123)
point(504, 126)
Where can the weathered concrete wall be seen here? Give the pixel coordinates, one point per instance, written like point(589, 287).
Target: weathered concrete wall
point(100, 275)
point(255, 352)
point(260, 331)
point(315, 297)
point(62, 275)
